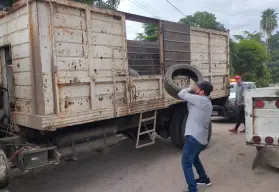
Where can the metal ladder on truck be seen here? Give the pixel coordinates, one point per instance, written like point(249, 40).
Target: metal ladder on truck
point(151, 132)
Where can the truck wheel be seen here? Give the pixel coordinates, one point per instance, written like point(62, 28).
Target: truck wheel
point(4, 171)
point(209, 132)
point(177, 125)
point(180, 69)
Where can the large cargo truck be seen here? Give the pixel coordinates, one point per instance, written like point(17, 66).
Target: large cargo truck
point(71, 81)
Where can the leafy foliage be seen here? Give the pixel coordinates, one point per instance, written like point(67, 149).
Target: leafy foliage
point(247, 59)
point(108, 4)
point(269, 22)
point(260, 75)
point(273, 43)
point(257, 36)
point(204, 20)
point(199, 19)
point(273, 63)
point(247, 56)
point(150, 33)
point(274, 71)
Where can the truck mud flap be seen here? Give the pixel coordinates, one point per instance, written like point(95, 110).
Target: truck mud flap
point(259, 159)
point(272, 156)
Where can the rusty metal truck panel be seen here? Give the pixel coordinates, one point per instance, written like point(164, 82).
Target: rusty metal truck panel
point(205, 49)
point(70, 63)
point(144, 57)
point(177, 41)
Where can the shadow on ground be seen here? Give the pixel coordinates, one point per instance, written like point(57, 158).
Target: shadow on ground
point(93, 168)
point(222, 120)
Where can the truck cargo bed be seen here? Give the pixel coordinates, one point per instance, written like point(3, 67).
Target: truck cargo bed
point(69, 63)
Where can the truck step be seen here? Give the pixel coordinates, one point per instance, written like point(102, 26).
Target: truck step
point(151, 132)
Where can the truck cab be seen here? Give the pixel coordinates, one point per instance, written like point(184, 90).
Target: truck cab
point(228, 111)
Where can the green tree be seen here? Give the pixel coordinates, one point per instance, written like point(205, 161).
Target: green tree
point(274, 71)
point(247, 55)
point(247, 58)
point(232, 47)
point(108, 4)
point(257, 36)
point(260, 75)
point(150, 33)
point(204, 20)
point(268, 22)
point(273, 43)
point(199, 19)
point(273, 63)
point(274, 56)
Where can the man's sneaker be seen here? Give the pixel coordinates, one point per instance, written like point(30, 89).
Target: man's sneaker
point(234, 130)
point(204, 182)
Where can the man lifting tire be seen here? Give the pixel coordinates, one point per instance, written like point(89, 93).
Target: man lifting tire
point(196, 132)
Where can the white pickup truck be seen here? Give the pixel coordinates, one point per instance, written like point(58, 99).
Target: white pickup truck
point(228, 110)
point(262, 124)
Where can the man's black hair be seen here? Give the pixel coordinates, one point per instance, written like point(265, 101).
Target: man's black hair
point(206, 87)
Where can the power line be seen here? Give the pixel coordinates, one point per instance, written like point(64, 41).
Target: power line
point(175, 8)
point(147, 6)
point(142, 7)
point(226, 13)
point(152, 9)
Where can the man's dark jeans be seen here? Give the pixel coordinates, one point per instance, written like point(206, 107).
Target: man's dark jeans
point(191, 151)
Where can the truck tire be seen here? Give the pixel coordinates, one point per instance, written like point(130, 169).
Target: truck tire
point(180, 69)
point(209, 132)
point(133, 73)
point(4, 171)
point(177, 126)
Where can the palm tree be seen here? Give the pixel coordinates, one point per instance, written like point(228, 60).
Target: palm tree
point(268, 22)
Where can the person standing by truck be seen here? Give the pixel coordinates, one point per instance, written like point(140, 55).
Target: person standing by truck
point(196, 132)
point(239, 104)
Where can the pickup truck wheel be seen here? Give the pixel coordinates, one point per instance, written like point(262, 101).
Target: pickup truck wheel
point(180, 69)
point(4, 171)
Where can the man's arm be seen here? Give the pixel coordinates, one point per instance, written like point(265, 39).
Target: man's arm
point(185, 95)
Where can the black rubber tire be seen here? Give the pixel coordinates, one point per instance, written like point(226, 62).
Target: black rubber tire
point(177, 120)
point(5, 171)
point(209, 132)
point(178, 123)
point(133, 73)
point(180, 69)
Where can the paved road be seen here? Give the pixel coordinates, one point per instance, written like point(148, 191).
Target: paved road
point(155, 169)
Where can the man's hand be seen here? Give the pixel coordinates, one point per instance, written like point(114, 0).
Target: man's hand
point(190, 90)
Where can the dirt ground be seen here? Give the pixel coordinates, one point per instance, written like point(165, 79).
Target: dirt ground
point(156, 168)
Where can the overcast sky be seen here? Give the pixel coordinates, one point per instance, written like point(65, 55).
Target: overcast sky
point(236, 15)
